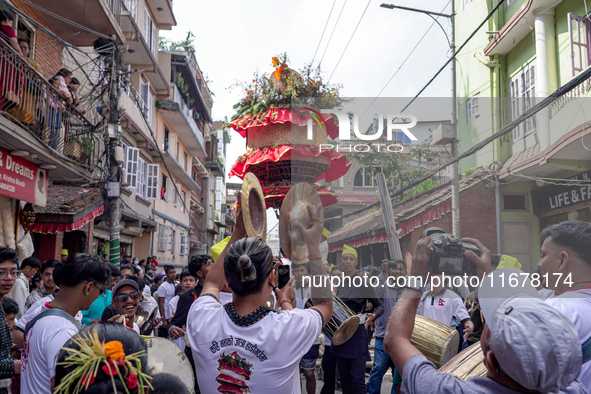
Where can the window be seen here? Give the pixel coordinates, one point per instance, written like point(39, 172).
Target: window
point(131, 166)
point(152, 181)
point(184, 245)
point(472, 108)
point(150, 32)
point(26, 31)
point(185, 161)
point(146, 96)
point(177, 197)
point(164, 187)
point(141, 177)
point(523, 93)
point(163, 238)
point(514, 202)
point(183, 201)
point(579, 29)
point(365, 177)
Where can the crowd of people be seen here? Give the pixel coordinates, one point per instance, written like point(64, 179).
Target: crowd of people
point(80, 330)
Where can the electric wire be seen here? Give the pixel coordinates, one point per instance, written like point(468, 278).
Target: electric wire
point(324, 30)
point(348, 42)
point(333, 30)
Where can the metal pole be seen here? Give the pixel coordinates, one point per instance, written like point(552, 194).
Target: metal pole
point(114, 173)
point(455, 178)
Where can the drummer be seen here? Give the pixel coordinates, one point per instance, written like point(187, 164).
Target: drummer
point(351, 355)
point(522, 352)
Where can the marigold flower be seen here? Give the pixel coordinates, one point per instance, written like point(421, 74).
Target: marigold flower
point(114, 350)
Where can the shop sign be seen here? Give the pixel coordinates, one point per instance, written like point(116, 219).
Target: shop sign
point(22, 180)
point(554, 197)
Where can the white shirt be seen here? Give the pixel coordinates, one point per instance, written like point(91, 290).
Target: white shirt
point(174, 301)
point(262, 357)
point(166, 291)
point(148, 303)
point(19, 293)
point(443, 307)
point(301, 295)
point(576, 306)
point(36, 309)
point(225, 297)
point(135, 328)
point(40, 350)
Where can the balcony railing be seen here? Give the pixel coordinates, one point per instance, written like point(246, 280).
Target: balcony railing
point(28, 100)
point(115, 7)
point(131, 6)
point(178, 97)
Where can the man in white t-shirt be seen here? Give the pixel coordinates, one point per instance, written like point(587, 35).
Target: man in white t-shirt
point(20, 291)
point(165, 293)
point(126, 300)
point(81, 281)
point(565, 261)
point(253, 348)
point(443, 305)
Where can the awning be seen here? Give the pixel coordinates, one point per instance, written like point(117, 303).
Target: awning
point(404, 228)
point(376, 239)
point(68, 208)
point(52, 228)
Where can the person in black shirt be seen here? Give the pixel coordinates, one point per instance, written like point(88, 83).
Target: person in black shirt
point(352, 354)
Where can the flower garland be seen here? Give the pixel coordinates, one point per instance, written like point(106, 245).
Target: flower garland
point(110, 357)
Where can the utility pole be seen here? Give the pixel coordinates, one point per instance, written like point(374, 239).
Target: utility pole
point(455, 177)
point(114, 185)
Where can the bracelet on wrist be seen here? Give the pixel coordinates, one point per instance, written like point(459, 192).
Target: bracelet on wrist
point(281, 302)
point(315, 258)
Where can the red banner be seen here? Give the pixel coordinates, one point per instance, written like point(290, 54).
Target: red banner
point(22, 180)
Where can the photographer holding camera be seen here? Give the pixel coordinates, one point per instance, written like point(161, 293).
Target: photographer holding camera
point(522, 352)
point(565, 260)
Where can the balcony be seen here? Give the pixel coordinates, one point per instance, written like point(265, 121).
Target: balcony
point(218, 219)
point(37, 119)
point(101, 16)
point(216, 167)
point(177, 115)
point(179, 172)
point(163, 15)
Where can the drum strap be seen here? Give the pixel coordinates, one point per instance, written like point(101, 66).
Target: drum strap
point(587, 350)
point(51, 312)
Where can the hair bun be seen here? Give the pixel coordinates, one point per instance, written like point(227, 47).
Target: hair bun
point(247, 269)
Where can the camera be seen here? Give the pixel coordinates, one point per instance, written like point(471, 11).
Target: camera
point(447, 256)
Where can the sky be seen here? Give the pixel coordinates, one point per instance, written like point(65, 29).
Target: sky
point(235, 38)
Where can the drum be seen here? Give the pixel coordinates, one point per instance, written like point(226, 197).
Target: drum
point(343, 324)
point(438, 342)
point(466, 364)
point(165, 356)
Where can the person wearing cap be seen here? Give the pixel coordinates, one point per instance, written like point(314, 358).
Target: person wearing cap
point(351, 355)
point(522, 352)
point(126, 300)
point(126, 259)
point(324, 244)
point(64, 254)
point(565, 260)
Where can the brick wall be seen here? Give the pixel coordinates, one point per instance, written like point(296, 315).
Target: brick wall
point(477, 220)
point(48, 52)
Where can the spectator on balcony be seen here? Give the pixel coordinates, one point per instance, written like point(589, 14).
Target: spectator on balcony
point(63, 78)
point(23, 44)
point(9, 97)
point(73, 87)
point(7, 32)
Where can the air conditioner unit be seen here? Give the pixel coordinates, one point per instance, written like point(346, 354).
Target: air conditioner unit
point(444, 134)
